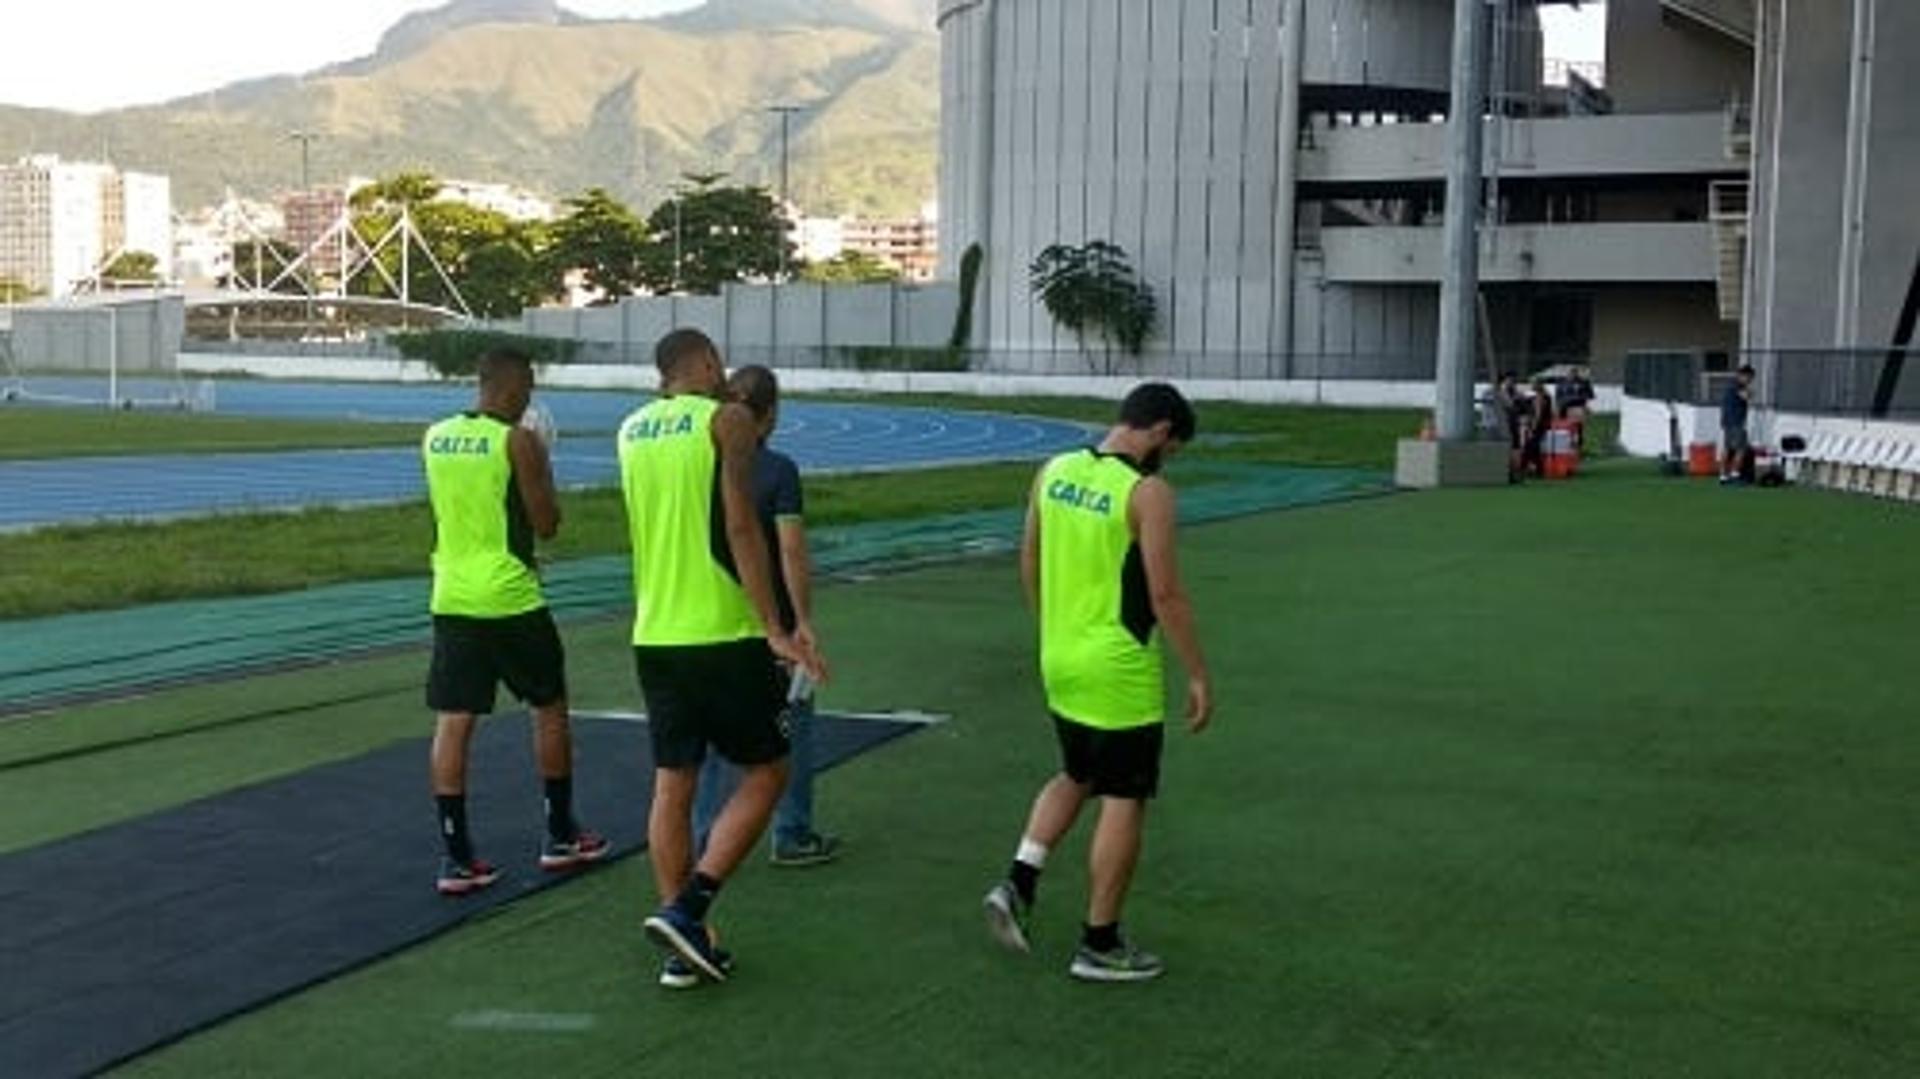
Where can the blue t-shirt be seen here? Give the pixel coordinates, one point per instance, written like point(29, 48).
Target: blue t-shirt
point(1733, 407)
point(776, 494)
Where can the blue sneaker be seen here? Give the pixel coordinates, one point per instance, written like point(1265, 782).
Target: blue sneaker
point(675, 933)
point(676, 974)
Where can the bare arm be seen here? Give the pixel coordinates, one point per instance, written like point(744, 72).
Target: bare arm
point(736, 439)
point(1030, 548)
point(1153, 512)
point(797, 564)
point(533, 475)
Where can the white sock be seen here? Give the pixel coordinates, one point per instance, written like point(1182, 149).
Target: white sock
point(1031, 853)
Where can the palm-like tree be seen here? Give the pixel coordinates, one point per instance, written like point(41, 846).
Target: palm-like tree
point(1094, 287)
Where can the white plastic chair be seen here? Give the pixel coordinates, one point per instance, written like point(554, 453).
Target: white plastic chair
point(1833, 455)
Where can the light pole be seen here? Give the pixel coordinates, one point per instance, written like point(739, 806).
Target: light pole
point(305, 139)
point(679, 250)
point(786, 114)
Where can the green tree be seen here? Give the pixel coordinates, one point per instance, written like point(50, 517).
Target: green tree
point(257, 263)
point(602, 238)
point(498, 265)
point(1094, 287)
point(971, 262)
point(132, 267)
point(850, 268)
point(413, 189)
point(712, 235)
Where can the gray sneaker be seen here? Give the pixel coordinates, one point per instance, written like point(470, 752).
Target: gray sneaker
point(1123, 964)
point(1007, 916)
point(812, 849)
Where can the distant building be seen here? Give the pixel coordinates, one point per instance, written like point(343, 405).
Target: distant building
point(1287, 207)
point(309, 214)
point(820, 238)
point(146, 219)
point(204, 240)
point(910, 245)
point(62, 221)
point(505, 199)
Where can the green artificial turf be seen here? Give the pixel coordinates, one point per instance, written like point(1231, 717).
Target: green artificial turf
point(1607, 778)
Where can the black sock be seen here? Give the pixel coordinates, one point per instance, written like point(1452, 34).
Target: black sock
point(1026, 880)
point(559, 801)
point(1101, 938)
point(697, 896)
point(453, 826)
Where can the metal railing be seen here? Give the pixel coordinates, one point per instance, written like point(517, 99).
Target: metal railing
point(1818, 382)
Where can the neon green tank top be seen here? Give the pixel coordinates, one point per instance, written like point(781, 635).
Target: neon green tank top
point(483, 544)
point(685, 590)
point(1099, 657)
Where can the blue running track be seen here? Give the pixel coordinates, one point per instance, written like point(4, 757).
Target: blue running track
point(820, 436)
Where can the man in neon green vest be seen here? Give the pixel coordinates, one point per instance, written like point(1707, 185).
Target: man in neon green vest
point(1098, 564)
point(707, 638)
point(491, 486)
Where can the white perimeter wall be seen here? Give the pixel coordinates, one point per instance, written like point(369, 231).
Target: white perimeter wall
point(1344, 393)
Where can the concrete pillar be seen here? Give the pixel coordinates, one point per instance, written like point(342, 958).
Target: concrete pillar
point(1459, 289)
point(1292, 48)
point(1853, 213)
point(980, 211)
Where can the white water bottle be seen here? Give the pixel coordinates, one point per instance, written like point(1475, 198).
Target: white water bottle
point(801, 687)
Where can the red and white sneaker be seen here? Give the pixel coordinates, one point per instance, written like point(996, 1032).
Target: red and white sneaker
point(458, 879)
point(584, 849)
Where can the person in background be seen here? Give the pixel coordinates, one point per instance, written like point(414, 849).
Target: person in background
point(1538, 419)
point(1576, 400)
point(1513, 412)
point(1734, 404)
point(778, 500)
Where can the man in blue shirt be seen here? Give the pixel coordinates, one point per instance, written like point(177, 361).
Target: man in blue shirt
point(1733, 425)
point(781, 507)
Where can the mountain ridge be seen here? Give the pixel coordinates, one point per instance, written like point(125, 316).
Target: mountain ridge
point(523, 91)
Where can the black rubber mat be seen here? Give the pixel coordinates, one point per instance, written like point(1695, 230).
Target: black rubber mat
point(123, 939)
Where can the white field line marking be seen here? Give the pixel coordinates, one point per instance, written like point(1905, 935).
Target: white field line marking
point(905, 715)
point(531, 1022)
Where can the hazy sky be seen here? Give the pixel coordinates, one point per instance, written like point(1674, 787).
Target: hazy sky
point(95, 54)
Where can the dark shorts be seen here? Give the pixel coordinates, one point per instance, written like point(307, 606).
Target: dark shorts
point(472, 656)
point(731, 696)
point(1735, 439)
point(1117, 764)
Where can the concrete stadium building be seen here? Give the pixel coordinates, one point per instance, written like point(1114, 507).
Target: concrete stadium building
point(1281, 185)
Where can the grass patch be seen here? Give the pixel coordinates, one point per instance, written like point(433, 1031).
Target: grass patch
point(90, 567)
point(1281, 434)
point(27, 433)
point(1504, 783)
point(95, 566)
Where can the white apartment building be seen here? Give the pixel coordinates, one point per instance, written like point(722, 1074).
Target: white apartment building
point(60, 221)
point(505, 199)
point(147, 218)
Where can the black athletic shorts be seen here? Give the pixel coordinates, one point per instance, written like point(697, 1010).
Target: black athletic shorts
point(730, 695)
point(1118, 764)
point(471, 656)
